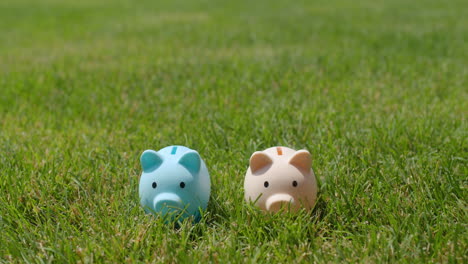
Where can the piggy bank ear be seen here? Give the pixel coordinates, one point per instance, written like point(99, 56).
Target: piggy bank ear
point(150, 160)
point(191, 161)
point(301, 160)
point(259, 160)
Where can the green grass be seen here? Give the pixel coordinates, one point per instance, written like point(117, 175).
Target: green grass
point(375, 90)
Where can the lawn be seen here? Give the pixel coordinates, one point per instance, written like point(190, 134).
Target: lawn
point(375, 90)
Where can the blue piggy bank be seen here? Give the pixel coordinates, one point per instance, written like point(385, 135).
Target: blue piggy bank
point(175, 183)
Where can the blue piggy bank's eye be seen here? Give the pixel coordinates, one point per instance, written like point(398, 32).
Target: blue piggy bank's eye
point(182, 185)
point(154, 185)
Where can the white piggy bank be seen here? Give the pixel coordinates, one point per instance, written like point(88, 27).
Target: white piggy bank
point(280, 177)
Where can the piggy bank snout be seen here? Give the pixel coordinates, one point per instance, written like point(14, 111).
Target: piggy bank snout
point(277, 201)
point(167, 202)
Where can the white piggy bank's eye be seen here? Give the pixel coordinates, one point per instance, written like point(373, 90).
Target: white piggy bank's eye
point(266, 184)
point(294, 183)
